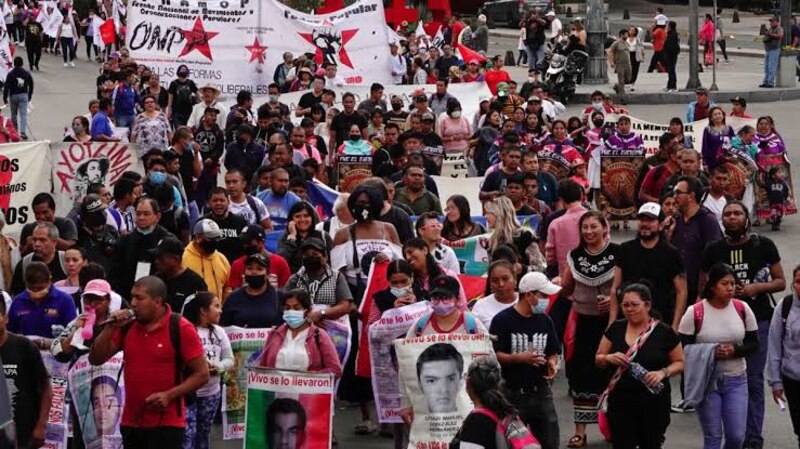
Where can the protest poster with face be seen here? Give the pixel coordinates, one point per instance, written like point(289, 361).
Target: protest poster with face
point(288, 409)
point(58, 418)
point(247, 345)
point(432, 371)
point(98, 396)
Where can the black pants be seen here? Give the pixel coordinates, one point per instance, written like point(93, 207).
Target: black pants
point(34, 55)
point(635, 63)
point(658, 56)
point(638, 420)
point(672, 78)
point(157, 437)
point(537, 411)
point(68, 48)
point(791, 389)
point(723, 46)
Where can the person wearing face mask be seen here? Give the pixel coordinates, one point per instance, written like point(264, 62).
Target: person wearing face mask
point(257, 304)
point(528, 368)
point(397, 114)
point(95, 237)
point(454, 129)
point(202, 257)
point(40, 306)
point(251, 240)
point(182, 97)
point(80, 130)
point(355, 145)
point(298, 344)
point(328, 289)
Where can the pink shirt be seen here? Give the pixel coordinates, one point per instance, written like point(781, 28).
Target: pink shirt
point(562, 237)
point(450, 127)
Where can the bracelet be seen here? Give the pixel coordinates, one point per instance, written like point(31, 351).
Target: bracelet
point(666, 373)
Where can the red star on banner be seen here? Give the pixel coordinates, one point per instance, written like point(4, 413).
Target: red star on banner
point(257, 51)
point(347, 35)
point(197, 39)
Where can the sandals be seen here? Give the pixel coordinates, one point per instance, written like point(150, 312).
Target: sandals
point(577, 441)
point(365, 428)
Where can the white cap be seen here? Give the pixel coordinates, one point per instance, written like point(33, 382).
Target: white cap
point(537, 282)
point(652, 210)
point(550, 14)
point(482, 18)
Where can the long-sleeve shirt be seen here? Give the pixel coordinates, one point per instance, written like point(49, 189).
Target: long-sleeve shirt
point(18, 81)
point(563, 236)
point(783, 353)
point(219, 355)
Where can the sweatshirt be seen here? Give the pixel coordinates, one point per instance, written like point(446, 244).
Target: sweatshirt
point(783, 353)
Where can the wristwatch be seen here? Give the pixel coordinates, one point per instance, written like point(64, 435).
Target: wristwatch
point(322, 313)
point(666, 373)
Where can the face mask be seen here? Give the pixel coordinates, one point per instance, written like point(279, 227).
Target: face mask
point(273, 98)
point(396, 107)
point(312, 263)
point(250, 250)
point(598, 123)
point(183, 74)
point(400, 292)
point(443, 309)
point(41, 294)
point(736, 234)
point(77, 129)
point(294, 318)
point(209, 246)
point(360, 213)
point(255, 281)
point(597, 106)
point(157, 177)
point(531, 79)
point(146, 231)
point(541, 306)
point(455, 114)
point(355, 137)
point(413, 49)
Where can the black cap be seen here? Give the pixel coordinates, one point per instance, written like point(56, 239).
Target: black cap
point(421, 99)
point(313, 242)
point(259, 258)
point(92, 203)
point(445, 287)
point(739, 100)
point(252, 232)
point(168, 246)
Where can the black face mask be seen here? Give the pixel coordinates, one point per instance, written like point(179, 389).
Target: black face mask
point(312, 263)
point(361, 213)
point(255, 281)
point(355, 137)
point(396, 106)
point(736, 234)
point(209, 246)
point(598, 123)
point(250, 250)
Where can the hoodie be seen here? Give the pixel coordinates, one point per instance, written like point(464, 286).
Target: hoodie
point(214, 268)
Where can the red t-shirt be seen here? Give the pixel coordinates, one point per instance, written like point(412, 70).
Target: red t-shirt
point(653, 185)
point(659, 38)
point(495, 77)
point(150, 368)
point(278, 272)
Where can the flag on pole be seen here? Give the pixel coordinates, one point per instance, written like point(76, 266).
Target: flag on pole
point(466, 54)
point(108, 32)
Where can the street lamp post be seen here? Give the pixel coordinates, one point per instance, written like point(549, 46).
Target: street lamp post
point(597, 32)
point(694, 75)
point(714, 51)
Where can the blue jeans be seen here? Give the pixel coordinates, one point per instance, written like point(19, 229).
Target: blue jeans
point(199, 419)
point(724, 410)
point(535, 55)
point(771, 58)
point(125, 120)
point(19, 106)
point(755, 385)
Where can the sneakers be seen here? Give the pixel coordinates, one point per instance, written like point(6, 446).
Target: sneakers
point(72, 64)
point(23, 136)
point(681, 407)
point(66, 65)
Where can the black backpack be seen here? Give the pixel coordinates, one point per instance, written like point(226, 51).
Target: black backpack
point(183, 96)
point(786, 307)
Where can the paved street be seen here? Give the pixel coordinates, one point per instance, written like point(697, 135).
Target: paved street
point(63, 93)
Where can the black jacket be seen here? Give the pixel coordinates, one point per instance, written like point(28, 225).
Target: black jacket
point(99, 247)
point(132, 249)
point(18, 81)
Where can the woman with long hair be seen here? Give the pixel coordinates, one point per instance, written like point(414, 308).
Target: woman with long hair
point(507, 230)
point(677, 129)
point(558, 152)
point(458, 223)
point(730, 326)
point(587, 283)
point(672, 47)
point(301, 226)
point(534, 133)
point(486, 136)
point(771, 153)
point(715, 136)
point(638, 410)
point(425, 268)
point(204, 310)
point(79, 130)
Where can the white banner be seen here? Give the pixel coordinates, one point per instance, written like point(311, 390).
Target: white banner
point(6, 60)
point(76, 165)
point(237, 45)
point(432, 374)
point(24, 172)
point(469, 187)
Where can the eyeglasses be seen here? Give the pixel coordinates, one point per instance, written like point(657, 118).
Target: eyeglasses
point(428, 226)
point(442, 300)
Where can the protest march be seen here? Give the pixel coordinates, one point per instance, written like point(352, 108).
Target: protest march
point(269, 219)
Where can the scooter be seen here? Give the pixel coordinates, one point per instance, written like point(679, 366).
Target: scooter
point(563, 72)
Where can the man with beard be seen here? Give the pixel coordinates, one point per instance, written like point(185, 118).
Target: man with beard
point(278, 199)
point(650, 257)
point(397, 115)
point(414, 194)
point(252, 240)
point(230, 225)
point(95, 236)
point(759, 273)
point(181, 281)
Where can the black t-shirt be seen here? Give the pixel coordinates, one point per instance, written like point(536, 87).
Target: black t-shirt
point(186, 169)
point(182, 99)
point(308, 100)
point(56, 272)
point(341, 125)
point(182, 286)
point(231, 226)
point(514, 332)
point(659, 265)
point(26, 374)
point(496, 181)
point(401, 222)
point(66, 229)
point(653, 355)
point(398, 118)
point(244, 310)
point(750, 261)
point(526, 210)
point(175, 220)
point(479, 429)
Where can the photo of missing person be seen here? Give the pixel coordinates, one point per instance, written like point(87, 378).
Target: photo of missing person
point(91, 171)
point(440, 372)
point(106, 403)
point(286, 424)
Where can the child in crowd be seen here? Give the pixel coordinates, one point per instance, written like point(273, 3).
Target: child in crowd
point(777, 194)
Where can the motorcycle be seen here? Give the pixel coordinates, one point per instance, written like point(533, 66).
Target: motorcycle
point(562, 72)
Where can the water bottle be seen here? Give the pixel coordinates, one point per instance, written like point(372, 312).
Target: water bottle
point(638, 372)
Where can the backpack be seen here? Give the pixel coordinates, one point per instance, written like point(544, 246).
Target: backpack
point(786, 307)
point(511, 432)
point(469, 323)
point(29, 258)
point(699, 313)
point(184, 96)
point(252, 203)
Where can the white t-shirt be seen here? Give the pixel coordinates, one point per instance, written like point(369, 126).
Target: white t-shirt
point(218, 352)
point(446, 257)
point(485, 309)
point(716, 206)
point(245, 211)
point(293, 355)
point(722, 326)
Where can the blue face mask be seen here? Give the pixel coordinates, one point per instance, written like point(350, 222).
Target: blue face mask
point(157, 177)
point(597, 106)
point(541, 306)
point(294, 318)
point(399, 292)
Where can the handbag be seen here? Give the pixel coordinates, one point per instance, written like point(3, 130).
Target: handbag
point(602, 404)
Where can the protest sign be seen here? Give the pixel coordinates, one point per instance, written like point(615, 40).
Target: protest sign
point(376, 281)
point(6, 60)
point(247, 345)
point(455, 165)
point(353, 170)
point(58, 418)
point(340, 332)
point(289, 409)
point(468, 187)
point(77, 165)
point(393, 324)
point(472, 254)
point(432, 370)
point(23, 173)
point(98, 398)
point(619, 169)
point(741, 168)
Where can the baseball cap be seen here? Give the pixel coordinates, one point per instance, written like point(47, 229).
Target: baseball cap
point(739, 100)
point(168, 246)
point(92, 203)
point(251, 232)
point(313, 242)
point(537, 282)
point(652, 210)
point(661, 20)
point(445, 287)
point(428, 117)
point(550, 14)
point(259, 258)
point(775, 18)
point(534, 99)
point(208, 229)
point(421, 99)
point(97, 287)
point(474, 61)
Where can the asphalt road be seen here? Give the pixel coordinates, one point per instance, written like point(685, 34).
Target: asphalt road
point(64, 93)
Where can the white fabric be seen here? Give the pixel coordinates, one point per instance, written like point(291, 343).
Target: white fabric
point(200, 109)
point(716, 206)
point(219, 354)
point(245, 211)
point(293, 355)
point(485, 309)
point(446, 257)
